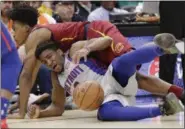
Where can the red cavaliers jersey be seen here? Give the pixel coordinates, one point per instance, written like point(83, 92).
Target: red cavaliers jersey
point(65, 33)
point(70, 32)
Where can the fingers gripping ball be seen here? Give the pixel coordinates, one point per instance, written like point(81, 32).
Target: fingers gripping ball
point(88, 96)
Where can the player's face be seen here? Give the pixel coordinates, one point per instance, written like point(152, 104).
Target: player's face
point(53, 59)
point(21, 32)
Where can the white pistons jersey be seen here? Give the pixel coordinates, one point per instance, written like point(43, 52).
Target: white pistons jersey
point(92, 70)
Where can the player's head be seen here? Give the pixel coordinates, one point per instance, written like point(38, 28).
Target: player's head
point(50, 55)
point(24, 19)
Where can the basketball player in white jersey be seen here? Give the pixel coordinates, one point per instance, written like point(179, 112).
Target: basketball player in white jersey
point(118, 89)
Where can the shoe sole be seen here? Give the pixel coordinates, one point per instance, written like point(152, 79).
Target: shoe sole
point(173, 48)
point(174, 101)
point(180, 47)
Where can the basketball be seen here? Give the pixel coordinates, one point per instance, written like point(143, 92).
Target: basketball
point(88, 96)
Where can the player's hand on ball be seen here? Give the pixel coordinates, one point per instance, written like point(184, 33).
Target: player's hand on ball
point(82, 53)
point(33, 111)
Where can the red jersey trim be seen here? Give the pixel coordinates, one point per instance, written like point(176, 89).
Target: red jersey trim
point(6, 41)
point(104, 35)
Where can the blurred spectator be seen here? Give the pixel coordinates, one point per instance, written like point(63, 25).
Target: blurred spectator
point(102, 13)
point(45, 8)
point(151, 7)
point(35, 4)
point(149, 12)
point(65, 12)
point(84, 8)
point(5, 6)
point(172, 18)
point(17, 3)
point(45, 12)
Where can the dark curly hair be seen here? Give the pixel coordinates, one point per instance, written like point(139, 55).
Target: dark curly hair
point(24, 14)
point(45, 45)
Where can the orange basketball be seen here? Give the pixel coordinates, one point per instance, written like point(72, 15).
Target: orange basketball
point(88, 95)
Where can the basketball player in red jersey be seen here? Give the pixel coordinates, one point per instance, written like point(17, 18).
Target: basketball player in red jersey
point(28, 33)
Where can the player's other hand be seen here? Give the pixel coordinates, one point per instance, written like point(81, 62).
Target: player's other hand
point(33, 111)
point(82, 53)
point(15, 116)
point(13, 107)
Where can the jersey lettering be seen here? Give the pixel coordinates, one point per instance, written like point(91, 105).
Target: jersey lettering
point(73, 75)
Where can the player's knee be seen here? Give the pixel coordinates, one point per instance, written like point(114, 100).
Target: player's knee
point(106, 112)
point(102, 113)
point(119, 63)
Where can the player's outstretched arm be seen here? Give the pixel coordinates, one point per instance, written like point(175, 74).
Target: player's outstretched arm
point(30, 69)
point(58, 99)
point(31, 66)
point(56, 108)
point(27, 79)
point(95, 44)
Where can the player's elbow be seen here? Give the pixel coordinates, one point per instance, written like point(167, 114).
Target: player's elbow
point(57, 108)
point(108, 40)
point(59, 111)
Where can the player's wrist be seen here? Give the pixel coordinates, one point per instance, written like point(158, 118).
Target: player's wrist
point(22, 115)
point(87, 49)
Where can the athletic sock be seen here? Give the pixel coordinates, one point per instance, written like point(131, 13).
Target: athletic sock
point(4, 107)
point(176, 90)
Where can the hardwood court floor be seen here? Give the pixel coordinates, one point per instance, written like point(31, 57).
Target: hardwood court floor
point(81, 119)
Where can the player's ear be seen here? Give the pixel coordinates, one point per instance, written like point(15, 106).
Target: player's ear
point(76, 84)
point(60, 52)
point(27, 28)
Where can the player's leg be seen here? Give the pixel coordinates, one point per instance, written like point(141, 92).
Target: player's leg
point(157, 86)
point(44, 80)
point(125, 65)
point(115, 111)
point(10, 69)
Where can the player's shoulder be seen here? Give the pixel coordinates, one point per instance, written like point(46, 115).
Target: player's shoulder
point(36, 37)
point(40, 33)
point(41, 28)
